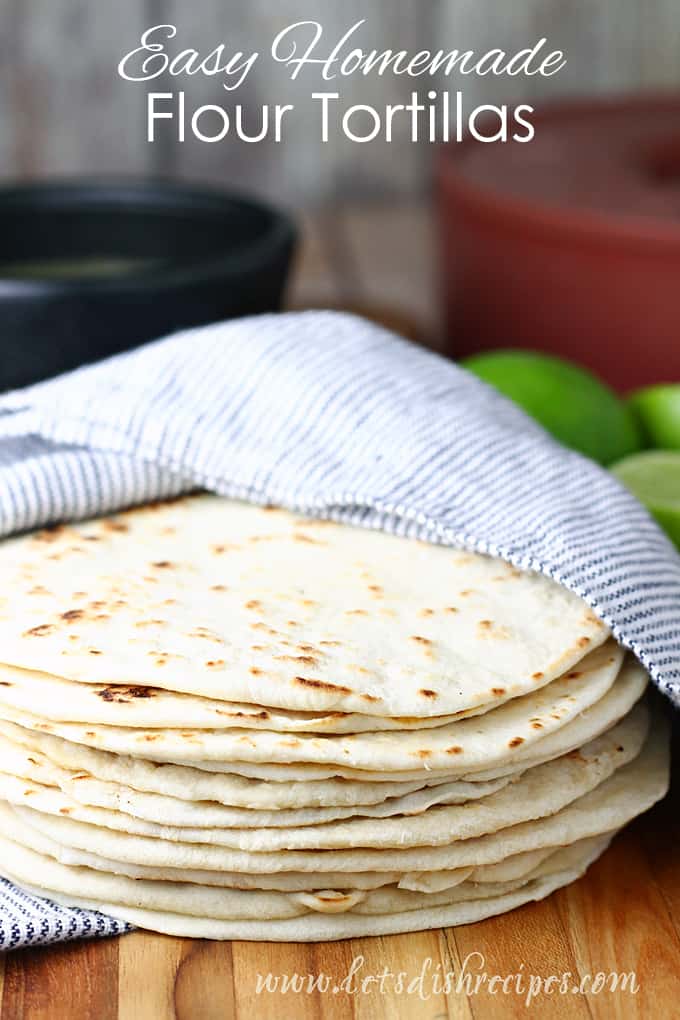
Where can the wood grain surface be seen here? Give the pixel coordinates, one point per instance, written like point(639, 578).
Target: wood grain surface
point(623, 916)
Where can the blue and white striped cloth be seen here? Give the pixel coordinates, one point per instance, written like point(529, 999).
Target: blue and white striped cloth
point(329, 415)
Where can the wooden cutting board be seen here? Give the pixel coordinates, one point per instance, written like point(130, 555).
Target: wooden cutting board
point(623, 916)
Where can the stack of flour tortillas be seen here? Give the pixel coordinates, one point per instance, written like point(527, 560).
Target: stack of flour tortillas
point(227, 721)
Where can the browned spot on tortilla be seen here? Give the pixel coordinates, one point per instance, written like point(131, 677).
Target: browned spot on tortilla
point(306, 660)
point(253, 604)
point(426, 612)
point(149, 737)
point(257, 648)
point(451, 609)
point(516, 741)
point(162, 660)
point(428, 694)
point(456, 749)
point(575, 674)
point(92, 538)
point(301, 537)
point(376, 589)
point(28, 793)
point(163, 564)
point(356, 612)
point(167, 602)
point(583, 642)
point(289, 743)
point(321, 685)
point(330, 644)
point(424, 753)
point(485, 624)
point(215, 663)
point(149, 623)
point(90, 733)
point(38, 589)
point(537, 676)
point(420, 640)
point(371, 698)
point(94, 651)
point(64, 810)
point(110, 524)
point(73, 614)
point(40, 631)
point(50, 533)
point(307, 648)
point(5, 683)
point(465, 592)
point(218, 587)
point(255, 671)
point(498, 691)
point(576, 756)
point(537, 725)
point(292, 623)
point(619, 747)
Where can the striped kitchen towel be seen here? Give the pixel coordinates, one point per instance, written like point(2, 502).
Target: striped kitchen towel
point(329, 415)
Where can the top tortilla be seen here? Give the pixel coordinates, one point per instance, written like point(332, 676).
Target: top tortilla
point(240, 603)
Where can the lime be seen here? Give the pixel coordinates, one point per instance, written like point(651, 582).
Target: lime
point(654, 477)
point(569, 401)
point(657, 409)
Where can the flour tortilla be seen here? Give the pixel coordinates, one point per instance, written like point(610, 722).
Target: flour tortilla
point(511, 868)
point(125, 705)
point(320, 928)
point(228, 789)
point(26, 866)
point(483, 741)
point(229, 601)
point(630, 791)
point(267, 788)
point(23, 764)
point(539, 792)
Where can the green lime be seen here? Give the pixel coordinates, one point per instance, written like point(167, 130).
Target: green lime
point(657, 409)
point(654, 477)
point(569, 401)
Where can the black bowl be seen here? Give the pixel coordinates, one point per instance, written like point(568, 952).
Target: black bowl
point(91, 268)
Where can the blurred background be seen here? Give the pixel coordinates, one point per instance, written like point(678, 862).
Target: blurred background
point(365, 208)
point(64, 110)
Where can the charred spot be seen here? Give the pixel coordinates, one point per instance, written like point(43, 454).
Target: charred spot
point(376, 589)
point(451, 609)
point(5, 683)
point(424, 753)
point(215, 663)
point(321, 685)
point(485, 624)
point(94, 651)
point(163, 564)
point(253, 604)
point(537, 725)
point(427, 694)
point(426, 612)
point(537, 676)
point(456, 749)
point(583, 642)
point(64, 810)
point(516, 741)
point(255, 671)
point(40, 631)
point(575, 674)
point(72, 614)
point(420, 640)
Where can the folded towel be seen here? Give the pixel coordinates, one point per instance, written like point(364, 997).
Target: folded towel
point(329, 415)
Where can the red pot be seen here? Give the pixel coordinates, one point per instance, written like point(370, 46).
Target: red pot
point(569, 243)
